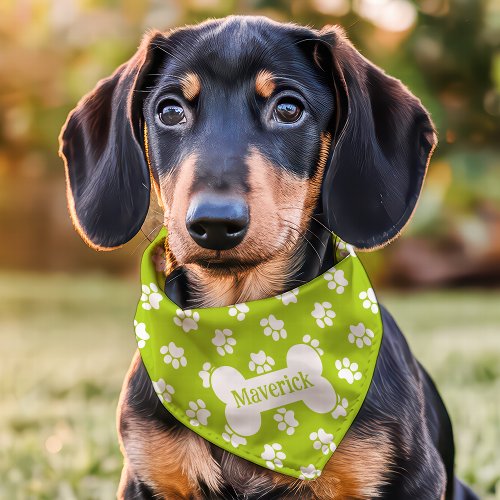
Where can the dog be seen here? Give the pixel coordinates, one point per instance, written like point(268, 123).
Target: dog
point(260, 139)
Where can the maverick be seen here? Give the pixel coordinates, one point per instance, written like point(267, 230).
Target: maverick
point(273, 389)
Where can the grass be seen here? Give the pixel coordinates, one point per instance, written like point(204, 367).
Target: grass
point(67, 341)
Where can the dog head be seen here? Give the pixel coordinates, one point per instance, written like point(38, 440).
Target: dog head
point(247, 129)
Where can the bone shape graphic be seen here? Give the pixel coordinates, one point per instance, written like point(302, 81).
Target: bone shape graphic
point(246, 399)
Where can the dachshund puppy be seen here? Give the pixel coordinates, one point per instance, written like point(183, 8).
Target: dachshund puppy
point(260, 139)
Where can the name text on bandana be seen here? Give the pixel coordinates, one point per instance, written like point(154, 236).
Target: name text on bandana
point(286, 385)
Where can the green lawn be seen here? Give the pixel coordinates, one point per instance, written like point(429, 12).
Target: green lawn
point(66, 344)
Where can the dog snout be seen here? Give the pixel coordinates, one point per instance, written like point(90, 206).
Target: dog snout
point(217, 222)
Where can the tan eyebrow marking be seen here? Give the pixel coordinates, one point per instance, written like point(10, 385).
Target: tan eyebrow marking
point(190, 85)
point(264, 83)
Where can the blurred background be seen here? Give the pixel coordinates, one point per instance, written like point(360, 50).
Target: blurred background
point(66, 311)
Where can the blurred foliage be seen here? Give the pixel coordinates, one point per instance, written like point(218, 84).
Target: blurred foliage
point(447, 51)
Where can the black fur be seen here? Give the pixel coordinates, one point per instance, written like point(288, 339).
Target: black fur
point(382, 138)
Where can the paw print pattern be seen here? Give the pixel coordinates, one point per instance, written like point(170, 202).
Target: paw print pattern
point(273, 327)
point(273, 455)
point(323, 314)
point(309, 472)
point(198, 413)
point(360, 335)
point(369, 300)
point(223, 341)
point(346, 249)
point(141, 334)
point(260, 362)
point(187, 319)
point(314, 343)
point(322, 441)
point(286, 420)
point(239, 310)
point(204, 374)
point(150, 297)
point(341, 409)
point(347, 370)
point(173, 355)
point(163, 390)
point(336, 280)
point(289, 297)
point(231, 437)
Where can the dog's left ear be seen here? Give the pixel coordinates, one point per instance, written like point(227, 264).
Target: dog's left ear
point(383, 142)
point(101, 144)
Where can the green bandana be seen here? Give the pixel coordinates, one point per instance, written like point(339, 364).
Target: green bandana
point(276, 381)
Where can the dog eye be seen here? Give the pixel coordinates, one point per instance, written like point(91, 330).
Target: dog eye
point(171, 113)
point(288, 110)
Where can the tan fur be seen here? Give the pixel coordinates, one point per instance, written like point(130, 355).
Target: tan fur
point(171, 463)
point(190, 86)
point(264, 83)
point(358, 469)
point(281, 203)
point(148, 159)
point(170, 260)
point(314, 184)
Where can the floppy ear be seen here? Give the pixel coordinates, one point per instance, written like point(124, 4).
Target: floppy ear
point(384, 140)
point(107, 177)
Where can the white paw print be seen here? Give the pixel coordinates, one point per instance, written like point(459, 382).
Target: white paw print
point(204, 374)
point(198, 413)
point(150, 297)
point(360, 335)
point(347, 370)
point(323, 314)
point(341, 409)
point(369, 300)
point(314, 343)
point(309, 472)
point(289, 297)
point(260, 362)
point(322, 440)
point(173, 355)
point(141, 334)
point(273, 455)
point(336, 280)
point(187, 319)
point(163, 390)
point(239, 310)
point(346, 249)
point(223, 341)
point(231, 437)
point(286, 420)
point(273, 327)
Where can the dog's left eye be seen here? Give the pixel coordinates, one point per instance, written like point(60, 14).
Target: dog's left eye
point(288, 110)
point(171, 113)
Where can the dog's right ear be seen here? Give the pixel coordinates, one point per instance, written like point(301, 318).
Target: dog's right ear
point(101, 144)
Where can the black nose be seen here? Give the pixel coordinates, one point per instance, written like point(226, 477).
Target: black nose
point(217, 222)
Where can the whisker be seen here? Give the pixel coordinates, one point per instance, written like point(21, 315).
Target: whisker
point(146, 237)
point(300, 233)
point(312, 217)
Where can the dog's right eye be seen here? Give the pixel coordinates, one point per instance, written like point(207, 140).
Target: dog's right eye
point(171, 113)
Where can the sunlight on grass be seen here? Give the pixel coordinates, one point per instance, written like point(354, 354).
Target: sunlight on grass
point(67, 343)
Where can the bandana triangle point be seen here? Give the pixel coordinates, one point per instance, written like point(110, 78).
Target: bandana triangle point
point(286, 404)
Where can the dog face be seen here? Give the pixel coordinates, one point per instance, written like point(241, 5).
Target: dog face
point(246, 128)
point(237, 142)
